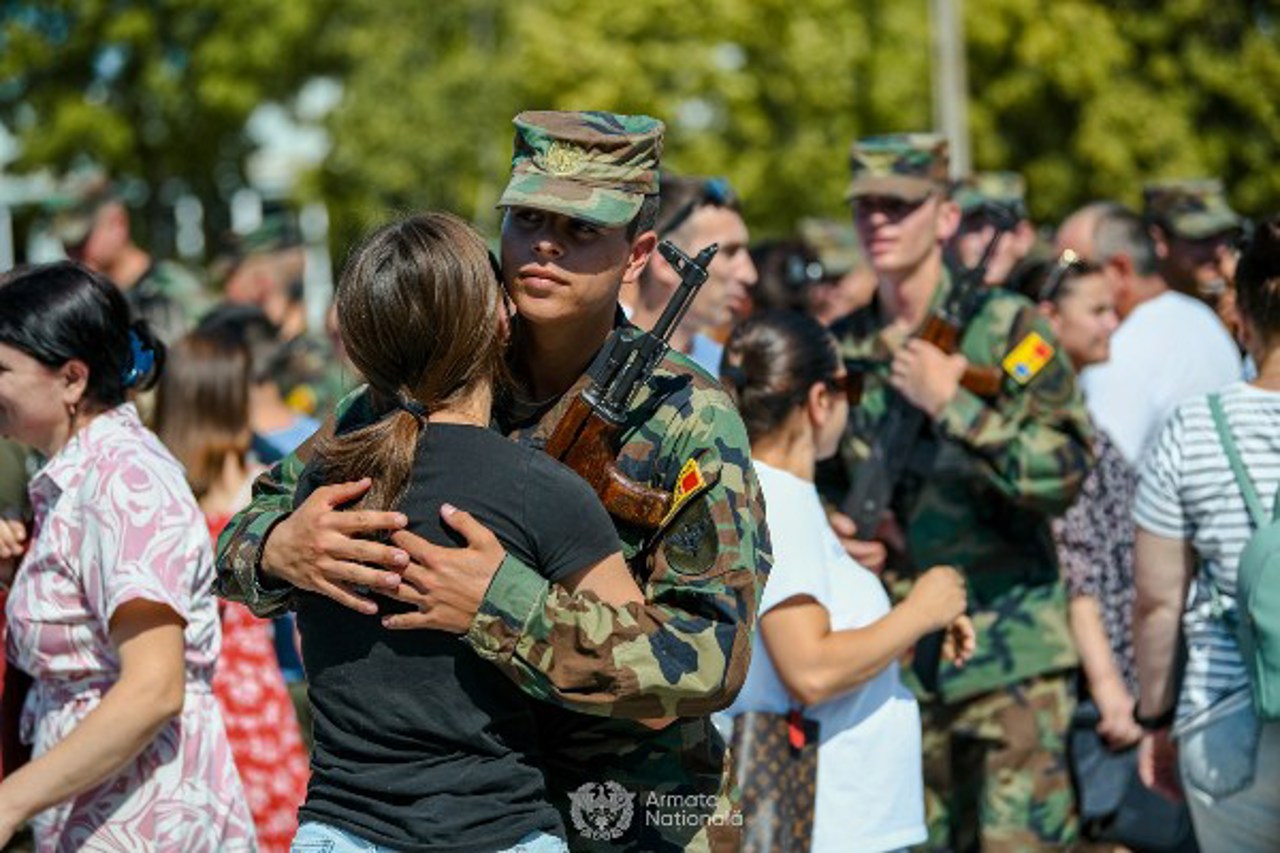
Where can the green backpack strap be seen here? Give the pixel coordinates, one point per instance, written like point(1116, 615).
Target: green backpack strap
point(1256, 511)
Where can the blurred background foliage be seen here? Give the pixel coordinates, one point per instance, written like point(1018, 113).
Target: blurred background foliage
point(1088, 98)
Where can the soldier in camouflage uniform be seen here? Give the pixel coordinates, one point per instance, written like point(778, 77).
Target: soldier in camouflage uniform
point(578, 218)
point(981, 197)
point(92, 223)
point(266, 270)
point(977, 494)
point(1196, 234)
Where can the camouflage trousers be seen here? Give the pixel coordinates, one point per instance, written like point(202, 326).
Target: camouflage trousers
point(995, 769)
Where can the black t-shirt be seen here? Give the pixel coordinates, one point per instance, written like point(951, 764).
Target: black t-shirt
point(420, 744)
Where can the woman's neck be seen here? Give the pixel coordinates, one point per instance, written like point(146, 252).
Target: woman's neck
point(475, 409)
point(790, 449)
point(1268, 377)
point(224, 494)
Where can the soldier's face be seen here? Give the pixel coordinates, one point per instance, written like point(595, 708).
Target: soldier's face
point(726, 295)
point(898, 234)
point(558, 268)
point(109, 234)
point(1200, 267)
point(975, 233)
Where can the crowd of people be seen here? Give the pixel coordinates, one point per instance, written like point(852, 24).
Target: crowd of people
point(271, 587)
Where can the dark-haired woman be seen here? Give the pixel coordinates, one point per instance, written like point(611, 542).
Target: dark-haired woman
point(828, 638)
point(1094, 537)
point(419, 744)
point(1193, 520)
point(111, 610)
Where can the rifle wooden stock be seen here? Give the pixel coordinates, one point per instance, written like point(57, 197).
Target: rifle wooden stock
point(983, 381)
point(584, 440)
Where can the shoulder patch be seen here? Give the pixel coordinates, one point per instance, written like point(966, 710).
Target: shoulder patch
point(688, 484)
point(1028, 358)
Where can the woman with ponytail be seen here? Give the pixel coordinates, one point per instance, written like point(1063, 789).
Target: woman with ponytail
point(419, 744)
point(828, 640)
point(111, 611)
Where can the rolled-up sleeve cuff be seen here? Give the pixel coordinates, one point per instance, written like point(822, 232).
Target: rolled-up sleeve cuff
point(960, 417)
point(515, 595)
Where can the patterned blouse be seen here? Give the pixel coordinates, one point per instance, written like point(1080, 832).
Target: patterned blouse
point(116, 522)
point(1095, 547)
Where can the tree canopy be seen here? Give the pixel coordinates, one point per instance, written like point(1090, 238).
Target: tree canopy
point(1088, 98)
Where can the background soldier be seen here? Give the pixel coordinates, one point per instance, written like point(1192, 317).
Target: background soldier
point(578, 223)
point(977, 494)
point(983, 197)
point(1196, 234)
point(92, 223)
point(693, 213)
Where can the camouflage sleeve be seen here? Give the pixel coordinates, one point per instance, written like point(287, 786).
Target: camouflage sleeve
point(1033, 439)
point(685, 651)
point(239, 547)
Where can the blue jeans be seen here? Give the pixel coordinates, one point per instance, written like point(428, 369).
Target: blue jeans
point(315, 837)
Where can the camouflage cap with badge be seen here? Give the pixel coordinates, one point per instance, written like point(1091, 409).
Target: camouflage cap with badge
point(1190, 209)
point(594, 166)
point(75, 205)
point(835, 245)
point(903, 165)
point(1007, 190)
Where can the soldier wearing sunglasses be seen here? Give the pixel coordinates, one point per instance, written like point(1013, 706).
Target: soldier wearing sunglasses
point(978, 493)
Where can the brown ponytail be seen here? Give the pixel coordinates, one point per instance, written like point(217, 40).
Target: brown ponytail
point(418, 308)
point(1258, 280)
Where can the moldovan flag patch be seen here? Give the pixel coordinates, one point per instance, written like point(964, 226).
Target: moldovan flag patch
point(1028, 358)
point(688, 484)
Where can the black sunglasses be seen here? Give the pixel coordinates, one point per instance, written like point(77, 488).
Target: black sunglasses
point(850, 385)
point(893, 207)
point(714, 191)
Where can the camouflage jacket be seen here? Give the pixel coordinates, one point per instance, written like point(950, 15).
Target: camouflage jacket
point(312, 376)
point(982, 484)
point(683, 653)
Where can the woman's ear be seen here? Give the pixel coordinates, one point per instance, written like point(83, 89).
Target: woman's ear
point(75, 381)
point(818, 403)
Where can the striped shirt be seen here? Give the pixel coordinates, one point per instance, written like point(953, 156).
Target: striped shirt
point(1187, 491)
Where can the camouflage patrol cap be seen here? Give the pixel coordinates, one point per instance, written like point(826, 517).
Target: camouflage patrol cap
point(1005, 189)
point(834, 243)
point(75, 204)
point(594, 166)
point(905, 165)
point(1191, 209)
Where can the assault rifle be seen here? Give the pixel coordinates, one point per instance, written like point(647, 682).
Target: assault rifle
point(585, 439)
point(876, 477)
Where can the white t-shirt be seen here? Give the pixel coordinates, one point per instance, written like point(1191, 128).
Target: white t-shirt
point(1187, 491)
point(1167, 350)
point(870, 777)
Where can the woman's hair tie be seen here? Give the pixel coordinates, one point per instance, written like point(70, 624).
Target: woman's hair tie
point(142, 359)
point(407, 404)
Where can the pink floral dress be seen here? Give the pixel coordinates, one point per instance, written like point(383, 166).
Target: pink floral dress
point(116, 522)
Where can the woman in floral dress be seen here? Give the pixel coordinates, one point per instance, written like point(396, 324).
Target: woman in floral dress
point(111, 610)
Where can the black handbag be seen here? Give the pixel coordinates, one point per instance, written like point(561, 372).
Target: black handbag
point(1113, 803)
point(776, 772)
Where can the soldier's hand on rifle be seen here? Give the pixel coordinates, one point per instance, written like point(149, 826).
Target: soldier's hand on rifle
point(926, 376)
point(870, 554)
point(318, 548)
point(446, 584)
